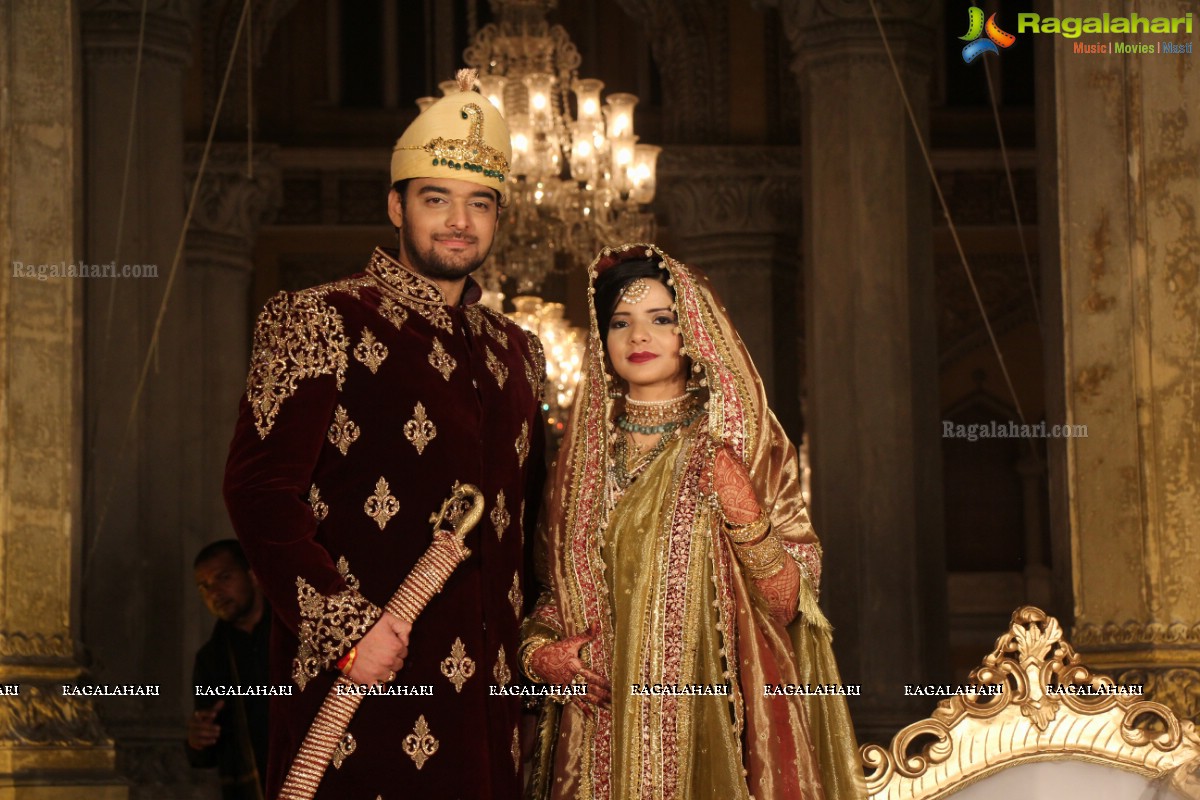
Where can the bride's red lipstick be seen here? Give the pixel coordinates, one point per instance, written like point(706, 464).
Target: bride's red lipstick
point(642, 357)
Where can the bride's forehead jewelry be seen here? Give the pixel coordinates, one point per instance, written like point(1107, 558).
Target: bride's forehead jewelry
point(636, 291)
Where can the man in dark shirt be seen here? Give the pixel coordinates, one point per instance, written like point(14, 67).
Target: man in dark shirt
point(226, 730)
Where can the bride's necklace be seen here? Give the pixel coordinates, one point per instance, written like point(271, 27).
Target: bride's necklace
point(663, 418)
point(656, 416)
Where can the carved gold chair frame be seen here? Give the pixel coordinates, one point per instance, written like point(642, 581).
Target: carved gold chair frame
point(969, 737)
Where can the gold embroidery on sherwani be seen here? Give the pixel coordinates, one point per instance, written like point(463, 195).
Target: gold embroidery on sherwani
point(345, 749)
point(496, 333)
point(458, 667)
point(501, 672)
point(498, 370)
point(297, 336)
point(522, 444)
point(440, 360)
point(516, 750)
point(419, 745)
point(535, 368)
point(319, 508)
point(393, 312)
point(370, 351)
point(329, 625)
point(419, 430)
point(499, 517)
point(516, 596)
point(412, 290)
point(343, 432)
point(381, 506)
point(475, 320)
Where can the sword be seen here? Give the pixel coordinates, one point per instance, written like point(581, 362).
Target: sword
point(459, 514)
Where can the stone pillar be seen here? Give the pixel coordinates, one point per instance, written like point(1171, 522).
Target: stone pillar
point(734, 212)
point(1128, 186)
point(142, 621)
point(872, 348)
point(220, 242)
point(52, 745)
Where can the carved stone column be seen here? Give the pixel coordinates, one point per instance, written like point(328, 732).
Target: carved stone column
point(872, 347)
point(1128, 192)
point(735, 212)
point(690, 42)
point(51, 745)
point(220, 243)
point(142, 479)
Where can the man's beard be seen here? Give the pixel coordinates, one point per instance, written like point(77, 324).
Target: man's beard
point(433, 264)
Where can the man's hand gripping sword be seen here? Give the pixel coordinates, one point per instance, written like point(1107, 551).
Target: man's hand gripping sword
point(459, 514)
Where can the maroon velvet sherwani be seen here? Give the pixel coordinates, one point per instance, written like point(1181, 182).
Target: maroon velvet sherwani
point(367, 399)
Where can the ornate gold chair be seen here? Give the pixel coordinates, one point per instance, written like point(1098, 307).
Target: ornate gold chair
point(1039, 737)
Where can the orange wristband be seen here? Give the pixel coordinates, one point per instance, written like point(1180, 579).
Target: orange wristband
point(346, 662)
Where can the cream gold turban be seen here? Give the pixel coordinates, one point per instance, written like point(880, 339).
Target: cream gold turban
point(461, 136)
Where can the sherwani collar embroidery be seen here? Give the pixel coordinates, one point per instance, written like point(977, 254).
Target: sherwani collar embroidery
point(416, 292)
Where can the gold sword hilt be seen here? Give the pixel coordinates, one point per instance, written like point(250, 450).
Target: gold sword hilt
point(460, 512)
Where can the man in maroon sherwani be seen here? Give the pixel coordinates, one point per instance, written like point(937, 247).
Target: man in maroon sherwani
point(367, 399)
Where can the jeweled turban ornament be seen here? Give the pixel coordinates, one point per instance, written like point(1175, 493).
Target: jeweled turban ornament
point(461, 136)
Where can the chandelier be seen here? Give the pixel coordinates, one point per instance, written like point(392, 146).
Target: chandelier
point(579, 178)
point(563, 345)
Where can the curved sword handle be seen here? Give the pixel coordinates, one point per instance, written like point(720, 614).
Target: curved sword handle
point(460, 512)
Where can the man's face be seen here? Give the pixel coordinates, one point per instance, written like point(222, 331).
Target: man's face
point(227, 588)
point(446, 226)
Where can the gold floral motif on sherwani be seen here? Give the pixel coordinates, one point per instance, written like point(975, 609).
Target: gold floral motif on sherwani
point(535, 368)
point(319, 508)
point(522, 444)
point(381, 506)
point(458, 667)
point(500, 517)
point(497, 368)
point(329, 625)
point(393, 312)
point(297, 336)
point(516, 596)
point(440, 360)
point(420, 745)
point(419, 430)
point(474, 320)
point(370, 351)
point(343, 432)
point(496, 333)
point(501, 672)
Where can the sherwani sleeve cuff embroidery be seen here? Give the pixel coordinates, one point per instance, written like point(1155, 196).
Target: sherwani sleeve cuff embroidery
point(329, 625)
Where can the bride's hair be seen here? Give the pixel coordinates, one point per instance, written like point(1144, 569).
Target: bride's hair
point(612, 282)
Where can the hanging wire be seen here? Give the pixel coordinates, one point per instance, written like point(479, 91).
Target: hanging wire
point(249, 93)
point(152, 348)
point(912, 118)
point(112, 285)
point(1012, 193)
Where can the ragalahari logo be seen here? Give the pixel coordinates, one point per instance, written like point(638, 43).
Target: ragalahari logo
point(976, 46)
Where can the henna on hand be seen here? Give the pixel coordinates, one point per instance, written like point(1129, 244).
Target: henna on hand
point(781, 591)
point(731, 482)
point(559, 663)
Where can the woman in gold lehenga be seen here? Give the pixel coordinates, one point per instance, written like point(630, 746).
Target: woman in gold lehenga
point(677, 553)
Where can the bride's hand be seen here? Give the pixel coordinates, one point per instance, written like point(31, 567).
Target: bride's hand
point(731, 483)
point(559, 663)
